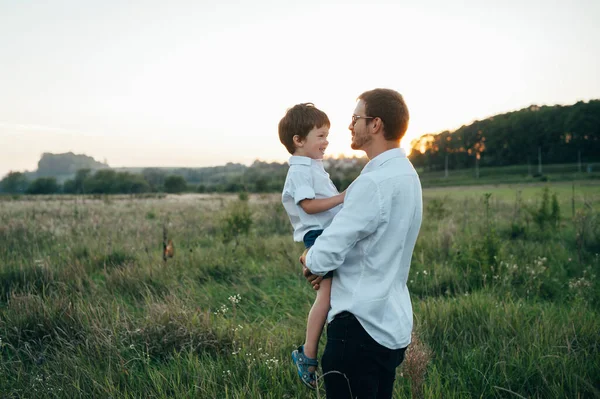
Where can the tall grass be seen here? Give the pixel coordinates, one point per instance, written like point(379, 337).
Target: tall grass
point(505, 306)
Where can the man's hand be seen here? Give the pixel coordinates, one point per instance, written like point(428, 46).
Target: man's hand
point(312, 278)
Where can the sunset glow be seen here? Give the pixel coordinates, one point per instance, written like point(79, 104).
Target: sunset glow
point(199, 84)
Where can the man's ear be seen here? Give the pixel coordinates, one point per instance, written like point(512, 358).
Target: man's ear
point(298, 142)
point(377, 125)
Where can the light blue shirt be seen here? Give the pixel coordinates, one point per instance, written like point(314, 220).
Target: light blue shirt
point(369, 244)
point(307, 179)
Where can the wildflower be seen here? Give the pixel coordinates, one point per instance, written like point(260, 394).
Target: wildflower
point(235, 299)
point(223, 309)
point(271, 363)
point(238, 328)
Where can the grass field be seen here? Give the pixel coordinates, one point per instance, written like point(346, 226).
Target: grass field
point(504, 283)
point(513, 174)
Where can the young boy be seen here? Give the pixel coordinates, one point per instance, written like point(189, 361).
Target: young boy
point(311, 201)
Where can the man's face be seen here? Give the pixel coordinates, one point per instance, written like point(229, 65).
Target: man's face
point(315, 143)
point(359, 129)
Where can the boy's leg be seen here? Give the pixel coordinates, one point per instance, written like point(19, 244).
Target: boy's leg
point(316, 319)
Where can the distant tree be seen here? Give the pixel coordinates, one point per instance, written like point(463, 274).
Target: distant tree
point(102, 182)
point(14, 183)
point(561, 134)
point(261, 185)
point(80, 177)
point(175, 184)
point(234, 187)
point(130, 183)
point(43, 185)
point(155, 178)
point(69, 187)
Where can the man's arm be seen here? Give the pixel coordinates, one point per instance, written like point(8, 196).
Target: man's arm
point(317, 205)
point(356, 220)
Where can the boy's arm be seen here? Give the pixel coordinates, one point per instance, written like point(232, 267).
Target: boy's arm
point(317, 205)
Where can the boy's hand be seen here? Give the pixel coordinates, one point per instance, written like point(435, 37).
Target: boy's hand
point(312, 278)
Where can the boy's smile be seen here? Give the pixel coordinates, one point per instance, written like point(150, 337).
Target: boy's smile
point(314, 144)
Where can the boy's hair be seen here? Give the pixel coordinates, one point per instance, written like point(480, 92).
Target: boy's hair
point(390, 107)
point(300, 120)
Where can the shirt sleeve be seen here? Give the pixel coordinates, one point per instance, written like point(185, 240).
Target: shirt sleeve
point(302, 183)
point(358, 218)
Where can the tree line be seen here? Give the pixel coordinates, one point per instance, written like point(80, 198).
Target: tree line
point(260, 177)
point(550, 134)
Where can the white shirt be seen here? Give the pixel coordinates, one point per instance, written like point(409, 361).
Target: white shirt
point(369, 244)
point(307, 179)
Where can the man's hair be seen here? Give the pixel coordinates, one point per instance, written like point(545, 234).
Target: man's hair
point(300, 120)
point(390, 107)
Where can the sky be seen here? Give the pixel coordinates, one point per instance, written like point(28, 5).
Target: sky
point(203, 83)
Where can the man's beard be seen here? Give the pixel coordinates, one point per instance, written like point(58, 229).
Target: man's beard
point(359, 141)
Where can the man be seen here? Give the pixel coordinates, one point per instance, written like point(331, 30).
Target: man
point(369, 244)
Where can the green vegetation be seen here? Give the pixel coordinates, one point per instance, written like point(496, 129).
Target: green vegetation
point(550, 134)
point(504, 284)
point(263, 177)
point(514, 174)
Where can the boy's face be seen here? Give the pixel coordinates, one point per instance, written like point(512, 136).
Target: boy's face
point(314, 144)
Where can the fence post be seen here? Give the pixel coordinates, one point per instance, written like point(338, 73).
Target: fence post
point(446, 167)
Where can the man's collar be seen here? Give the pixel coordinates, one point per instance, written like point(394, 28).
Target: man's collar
point(383, 158)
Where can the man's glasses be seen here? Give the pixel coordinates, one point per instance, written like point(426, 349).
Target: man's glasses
point(355, 118)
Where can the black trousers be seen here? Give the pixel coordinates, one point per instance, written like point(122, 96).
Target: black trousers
point(355, 365)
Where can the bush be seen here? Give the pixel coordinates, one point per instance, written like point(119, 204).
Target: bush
point(44, 185)
point(175, 184)
point(170, 328)
point(236, 222)
point(548, 214)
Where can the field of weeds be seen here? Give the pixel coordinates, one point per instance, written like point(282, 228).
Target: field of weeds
point(504, 283)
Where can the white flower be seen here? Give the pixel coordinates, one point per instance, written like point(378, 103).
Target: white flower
point(235, 299)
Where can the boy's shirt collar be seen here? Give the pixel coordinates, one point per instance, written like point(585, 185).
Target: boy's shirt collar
point(302, 160)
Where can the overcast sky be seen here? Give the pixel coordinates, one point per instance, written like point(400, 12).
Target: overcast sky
point(199, 83)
